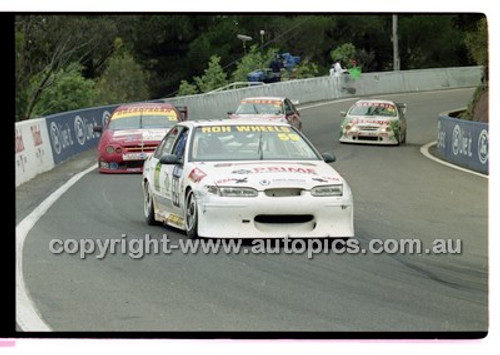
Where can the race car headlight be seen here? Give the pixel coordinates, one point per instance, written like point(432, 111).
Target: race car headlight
point(110, 149)
point(387, 129)
point(351, 128)
point(226, 191)
point(327, 190)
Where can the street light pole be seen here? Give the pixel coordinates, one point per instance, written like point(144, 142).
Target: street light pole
point(395, 47)
point(244, 39)
point(262, 32)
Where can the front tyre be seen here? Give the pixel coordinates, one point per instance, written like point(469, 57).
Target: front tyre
point(191, 215)
point(149, 212)
point(399, 137)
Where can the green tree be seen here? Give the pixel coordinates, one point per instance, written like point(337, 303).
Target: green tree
point(69, 91)
point(344, 54)
point(303, 70)
point(477, 43)
point(47, 44)
point(254, 60)
point(186, 88)
point(430, 41)
point(214, 76)
point(178, 47)
point(123, 80)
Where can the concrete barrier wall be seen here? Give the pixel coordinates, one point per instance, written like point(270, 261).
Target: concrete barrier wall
point(69, 133)
point(33, 150)
point(72, 132)
point(216, 105)
point(463, 143)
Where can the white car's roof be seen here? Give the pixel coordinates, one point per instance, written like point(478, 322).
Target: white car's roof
point(233, 122)
point(272, 98)
point(376, 101)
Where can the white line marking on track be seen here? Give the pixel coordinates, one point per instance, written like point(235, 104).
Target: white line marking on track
point(27, 316)
point(425, 151)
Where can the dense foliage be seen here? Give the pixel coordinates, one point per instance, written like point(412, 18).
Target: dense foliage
point(73, 60)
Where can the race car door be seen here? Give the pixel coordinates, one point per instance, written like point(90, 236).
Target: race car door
point(173, 175)
point(161, 178)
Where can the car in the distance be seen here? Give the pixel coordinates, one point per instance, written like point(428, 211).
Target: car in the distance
point(374, 121)
point(278, 109)
point(132, 133)
point(245, 179)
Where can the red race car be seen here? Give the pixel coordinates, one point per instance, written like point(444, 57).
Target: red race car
point(132, 134)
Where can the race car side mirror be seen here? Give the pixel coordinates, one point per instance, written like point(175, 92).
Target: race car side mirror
point(402, 107)
point(328, 157)
point(170, 159)
point(343, 113)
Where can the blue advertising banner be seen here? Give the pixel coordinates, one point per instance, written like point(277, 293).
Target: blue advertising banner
point(464, 143)
point(72, 132)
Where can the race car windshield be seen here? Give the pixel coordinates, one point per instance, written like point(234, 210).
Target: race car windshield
point(249, 142)
point(142, 121)
point(385, 110)
point(259, 108)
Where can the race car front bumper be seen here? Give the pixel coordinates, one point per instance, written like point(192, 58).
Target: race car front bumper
point(304, 216)
point(122, 163)
point(368, 138)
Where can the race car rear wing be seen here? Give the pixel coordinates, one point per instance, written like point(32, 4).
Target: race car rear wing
point(183, 110)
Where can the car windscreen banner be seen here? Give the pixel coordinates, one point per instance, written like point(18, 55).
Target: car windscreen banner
point(72, 132)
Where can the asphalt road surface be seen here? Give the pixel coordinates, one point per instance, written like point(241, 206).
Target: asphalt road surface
point(398, 193)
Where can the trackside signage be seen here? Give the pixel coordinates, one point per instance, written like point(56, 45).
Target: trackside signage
point(464, 143)
point(33, 151)
point(72, 132)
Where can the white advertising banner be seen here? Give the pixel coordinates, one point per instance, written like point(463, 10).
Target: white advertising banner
point(33, 150)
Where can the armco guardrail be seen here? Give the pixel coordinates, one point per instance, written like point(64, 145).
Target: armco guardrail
point(70, 133)
point(463, 143)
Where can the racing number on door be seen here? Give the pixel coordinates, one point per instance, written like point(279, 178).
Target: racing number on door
point(157, 176)
point(179, 149)
point(177, 173)
point(175, 192)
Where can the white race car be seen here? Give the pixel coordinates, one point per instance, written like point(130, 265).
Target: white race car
point(245, 179)
point(277, 109)
point(374, 121)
